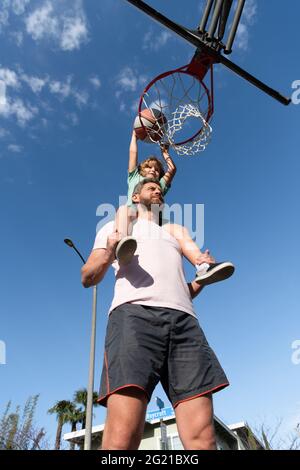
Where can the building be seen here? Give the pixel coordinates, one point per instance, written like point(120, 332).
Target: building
point(163, 424)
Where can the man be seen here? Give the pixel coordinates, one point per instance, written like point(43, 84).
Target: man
point(152, 333)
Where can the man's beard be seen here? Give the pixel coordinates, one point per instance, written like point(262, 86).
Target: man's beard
point(154, 204)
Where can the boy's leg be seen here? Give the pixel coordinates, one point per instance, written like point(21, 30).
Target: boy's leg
point(208, 271)
point(127, 245)
point(125, 420)
point(122, 221)
point(195, 424)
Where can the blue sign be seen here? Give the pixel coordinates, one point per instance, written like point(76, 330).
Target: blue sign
point(164, 413)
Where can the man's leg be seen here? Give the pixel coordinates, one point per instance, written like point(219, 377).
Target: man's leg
point(195, 423)
point(125, 420)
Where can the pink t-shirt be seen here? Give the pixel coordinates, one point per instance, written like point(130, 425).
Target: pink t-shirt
point(155, 276)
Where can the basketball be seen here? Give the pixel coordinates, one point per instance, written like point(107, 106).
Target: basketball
point(149, 125)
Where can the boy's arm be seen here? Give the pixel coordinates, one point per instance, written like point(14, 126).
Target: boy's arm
point(133, 153)
point(170, 173)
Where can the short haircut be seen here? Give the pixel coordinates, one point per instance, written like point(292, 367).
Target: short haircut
point(159, 165)
point(139, 186)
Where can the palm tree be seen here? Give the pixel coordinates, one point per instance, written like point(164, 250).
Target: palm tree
point(80, 397)
point(74, 416)
point(62, 409)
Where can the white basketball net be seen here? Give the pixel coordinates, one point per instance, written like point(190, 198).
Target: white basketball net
point(196, 145)
point(185, 103)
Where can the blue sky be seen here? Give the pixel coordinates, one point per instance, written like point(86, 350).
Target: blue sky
point(71, 73)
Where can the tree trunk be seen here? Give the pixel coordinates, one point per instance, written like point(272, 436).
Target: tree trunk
point(72, 444)
point(58, 435)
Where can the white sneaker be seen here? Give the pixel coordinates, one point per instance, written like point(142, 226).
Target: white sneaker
point(125, 250)
point(214, 272)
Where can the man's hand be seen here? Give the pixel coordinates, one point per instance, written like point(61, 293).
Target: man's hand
point(205, 258)
point(112, 241)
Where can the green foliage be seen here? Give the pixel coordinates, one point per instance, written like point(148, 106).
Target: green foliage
point(67, 412)
point(17, 431)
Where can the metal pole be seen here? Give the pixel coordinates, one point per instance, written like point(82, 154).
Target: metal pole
point(90, 388)
point(215, 18)
point(163, 435)
point(205, 16)
point(234, 27)
point(90, 392)
point(223, 18)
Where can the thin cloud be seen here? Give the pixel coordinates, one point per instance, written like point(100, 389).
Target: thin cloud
point(81, 97)
point(74, 33)
point(16, 7)
point(16, 107)
point(2, 93)
point(66, 27)
point(242, 37)
point(41, 23)
point(248, 18)
point(128, 82)
point(23, 112)
point(72, 118)
point(95, 81)
point(9, 78)
point(250, 11)
point(65, 90)
point(4, 16)
point(14, 98)
point(15, 148)
point(3, 133)
point(153, 41)
point(17, 37)
point(35, 83)
point(127, 79)
point(19, 6)
point(62, 89)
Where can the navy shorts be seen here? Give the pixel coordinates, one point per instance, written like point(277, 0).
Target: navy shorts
point(145, 345)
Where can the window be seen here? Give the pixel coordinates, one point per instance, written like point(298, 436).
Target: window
point(174, 443)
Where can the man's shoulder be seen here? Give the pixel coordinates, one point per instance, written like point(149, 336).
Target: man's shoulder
point(105, 228)
point(167, 225)
point(102, 234)
point(109, 225)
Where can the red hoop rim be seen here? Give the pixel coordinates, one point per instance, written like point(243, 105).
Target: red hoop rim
point(192, 71)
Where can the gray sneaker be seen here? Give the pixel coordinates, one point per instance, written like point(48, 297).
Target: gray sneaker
point(125, 250)
point(214, 272)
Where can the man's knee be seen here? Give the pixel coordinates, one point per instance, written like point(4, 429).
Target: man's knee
point(201, 439)
point(121, 438)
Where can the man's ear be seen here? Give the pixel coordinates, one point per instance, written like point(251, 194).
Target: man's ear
point(136, 198)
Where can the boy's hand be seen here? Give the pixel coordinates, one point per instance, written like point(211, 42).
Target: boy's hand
point(164, 147)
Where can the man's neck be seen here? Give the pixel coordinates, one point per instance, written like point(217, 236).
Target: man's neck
point(152, 215)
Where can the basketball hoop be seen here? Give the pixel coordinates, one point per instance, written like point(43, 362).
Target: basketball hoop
point(187, 104)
